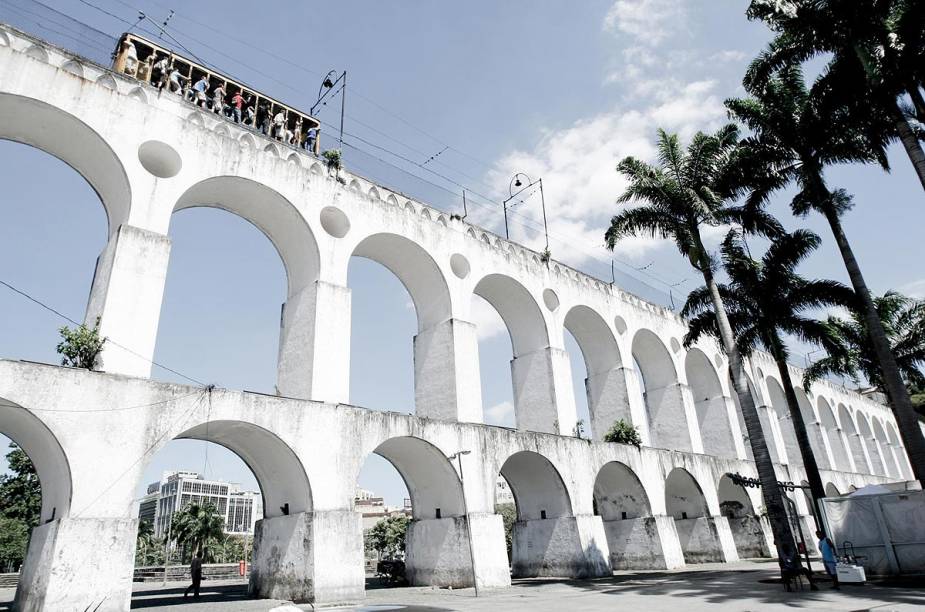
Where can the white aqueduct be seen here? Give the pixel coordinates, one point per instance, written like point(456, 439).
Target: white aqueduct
point(583, 507)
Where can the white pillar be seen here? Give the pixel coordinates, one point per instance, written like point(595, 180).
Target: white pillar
point(543, 396)
point(563, 547)
point(447, 383)
point(608, 400)
point(309, 557)
point(78, 564)
point(690, 416)
point(843, 438)
point(644, 543)
point(128, 288)
point(638, 410)
point(314, 345)
point(738, 436)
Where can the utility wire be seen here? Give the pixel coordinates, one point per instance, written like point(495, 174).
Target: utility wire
point(113, 342)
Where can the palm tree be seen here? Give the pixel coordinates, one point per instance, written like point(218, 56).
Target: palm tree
point(683, 194)
point(765, 301)
point(197, 526)
point(796, 134)
point(874, 51)
point(144, 540)
point(903, 320)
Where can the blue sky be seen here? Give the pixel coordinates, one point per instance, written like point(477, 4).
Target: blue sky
point(556, 89)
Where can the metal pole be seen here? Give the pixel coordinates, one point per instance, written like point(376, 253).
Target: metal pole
point(475, 579)
point(507, 234)
point(543, 200)
point(343, 104)
point(167, 546)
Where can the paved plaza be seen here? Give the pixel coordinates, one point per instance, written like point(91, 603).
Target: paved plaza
point(739, 586)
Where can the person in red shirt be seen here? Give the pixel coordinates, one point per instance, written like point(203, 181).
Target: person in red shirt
point(237, 101)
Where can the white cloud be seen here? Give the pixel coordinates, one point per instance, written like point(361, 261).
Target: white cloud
point(914, 289)
point(578, 166)
point(648, 21)
point(500, 414)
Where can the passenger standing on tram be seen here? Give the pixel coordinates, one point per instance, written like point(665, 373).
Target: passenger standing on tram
point(200, 89)
point(176, 80)
point(279, 125)
point(237, 101)
point(218, 99)
point(263, 118)
point(310, 137)
point(250, 115)
point(297, 132)
point(159, 73)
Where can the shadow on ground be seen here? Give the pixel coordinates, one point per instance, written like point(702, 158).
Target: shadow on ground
point(156, 597)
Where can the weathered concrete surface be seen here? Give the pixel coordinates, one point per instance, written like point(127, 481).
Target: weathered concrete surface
point(706, 539)
point(59, 575)
point(641, 543)
point(438, 553)
point(490, 550)
point(749, 537)
point(553, 547)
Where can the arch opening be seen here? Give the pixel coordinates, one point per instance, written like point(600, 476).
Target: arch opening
point(813, 430)
point(661, 393)
point(40, 125)
point(788, 433)
point(697, 532)
point(623, 505)
point(854, 440)
point(889, 466)
point(737, 507)
point(710, 404)
point(832, 433)
point(764, 416)
point(602, 399)
point(870, 443)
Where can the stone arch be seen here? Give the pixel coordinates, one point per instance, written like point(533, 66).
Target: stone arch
point(813, 429)
point(832, 433)
point(432, 482)
point(139, 94)
point(889, 467)
point(247, 141)
point(416, 270)
point(373, 194)
point(684, 499)
point(831, 490)
point(73, 67)
point(764, 416)
point(40, 125)
point(271, 213)
point(605, 384)
point(538, 489)
point(661, 393)
point(518, 309)
point(222, 130)
point(779, 401)
point(51, 464)
point(279, 472)
point(710, 404)
point(736, 505)
point(867, 438)
point(436, 552)
point(37, 52)
point(855, 444)
point(623, 505)
point(106, 80)
point(619, 494)
point(392, 199)
point(905, 470)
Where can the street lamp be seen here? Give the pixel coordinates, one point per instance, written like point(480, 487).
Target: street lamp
point(331, 79)
point(517, 182)
point(458, 457)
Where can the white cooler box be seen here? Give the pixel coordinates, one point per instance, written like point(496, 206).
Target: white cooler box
point(850, 573)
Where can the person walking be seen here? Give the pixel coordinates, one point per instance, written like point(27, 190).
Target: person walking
point(827, 549)
point(279, 125)
point(195, 570)
point(218, 99)
point(310, 137)
point(199, 90)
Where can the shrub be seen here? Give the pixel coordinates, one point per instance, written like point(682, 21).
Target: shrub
point(80, 347)
point(622, 432)
point(332, 158)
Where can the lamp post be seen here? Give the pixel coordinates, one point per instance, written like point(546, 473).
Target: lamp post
point(458, 457)
point(331, 79)
point(517, 183)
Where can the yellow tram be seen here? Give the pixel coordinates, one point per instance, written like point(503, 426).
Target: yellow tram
point(151, 63)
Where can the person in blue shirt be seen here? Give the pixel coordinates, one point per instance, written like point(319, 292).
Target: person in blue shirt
point(828, 557)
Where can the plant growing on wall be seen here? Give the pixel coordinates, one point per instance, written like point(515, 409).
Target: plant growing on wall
point(332, 159)
point(508, 514)
point(622, 432)
point(545, 256)
point(80, 347)
point(579, 430)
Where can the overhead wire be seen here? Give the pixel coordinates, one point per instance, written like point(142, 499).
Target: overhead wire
point(113, 342)
point(562, 238)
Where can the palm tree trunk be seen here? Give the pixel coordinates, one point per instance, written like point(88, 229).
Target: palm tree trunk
point(918, 102)
point(892, 380)
point(911, 143)
point(799, 428)
point(770, 491)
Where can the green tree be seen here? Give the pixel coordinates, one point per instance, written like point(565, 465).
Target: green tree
point(874, 52)
point(144, 543)
point(14, 540)
point(797, 133)
point(687, 191)
point(622, 432)
point(766, 301)
point(508, 514)
point(197, 527)
point(387, 537)
point(903, 320)
point(20, 490)
point(81, 347)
